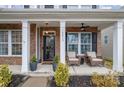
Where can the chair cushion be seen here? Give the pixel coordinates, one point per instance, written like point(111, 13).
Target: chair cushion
point(91, 54)
point(97, 59)
point(71, 54)
point(73, 59)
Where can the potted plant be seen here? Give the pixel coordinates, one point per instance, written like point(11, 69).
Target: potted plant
point(33, 63)
point(56, 60)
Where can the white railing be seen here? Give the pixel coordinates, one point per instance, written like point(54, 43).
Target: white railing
point(57, 6)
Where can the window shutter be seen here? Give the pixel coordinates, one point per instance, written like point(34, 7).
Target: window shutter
point(64, 6)
point(94, 41)
point(66, 42)
point(26, 6)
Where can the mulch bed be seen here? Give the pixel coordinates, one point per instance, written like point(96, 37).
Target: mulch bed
point(81, 81)
point(18, 80)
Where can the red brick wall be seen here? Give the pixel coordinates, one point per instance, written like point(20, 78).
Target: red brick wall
point(18, 60)
point(32, 40)
point(11, 60)
point(68, 29)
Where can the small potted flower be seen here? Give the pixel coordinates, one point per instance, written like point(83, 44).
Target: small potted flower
point(33, 63)
point(56, 60)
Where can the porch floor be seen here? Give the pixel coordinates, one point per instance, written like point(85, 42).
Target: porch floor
point(47, 70)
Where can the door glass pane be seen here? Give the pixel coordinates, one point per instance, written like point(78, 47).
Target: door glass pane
point(49, 48)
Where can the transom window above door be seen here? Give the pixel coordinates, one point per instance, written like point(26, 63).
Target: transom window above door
point(80, 42)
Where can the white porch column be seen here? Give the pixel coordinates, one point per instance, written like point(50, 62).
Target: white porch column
point(25, 46)
point(118, 47)
point(62, 41)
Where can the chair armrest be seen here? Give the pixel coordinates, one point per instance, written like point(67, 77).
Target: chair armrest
point(99, 57)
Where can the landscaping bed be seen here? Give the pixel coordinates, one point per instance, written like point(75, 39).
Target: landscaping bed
point(18, 80)
point(81, 81)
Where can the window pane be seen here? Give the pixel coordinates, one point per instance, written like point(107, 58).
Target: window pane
point(86, 38)
point(16, 49)
point(49, 6)
point(16, 36)
point(72, 37)
point(73, 47)
point(3, 42)
point(3, 49)
point(3, 36)
point(16, 42)
point(26, 6)
point(106, 39)
point(85, 48)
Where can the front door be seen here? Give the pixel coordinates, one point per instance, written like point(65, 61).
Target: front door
point(49, 48)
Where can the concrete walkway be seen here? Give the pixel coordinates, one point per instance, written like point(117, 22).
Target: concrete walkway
point(88, 70)
point(36, 82)
point(47, 70)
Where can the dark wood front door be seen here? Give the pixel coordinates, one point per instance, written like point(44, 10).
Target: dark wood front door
point(49, 48)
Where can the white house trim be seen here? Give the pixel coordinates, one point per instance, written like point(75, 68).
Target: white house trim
point(118, 47)
point(74, 19)
point(9, 43)
point(36, 42)
point(25, 46)
point(62, 41)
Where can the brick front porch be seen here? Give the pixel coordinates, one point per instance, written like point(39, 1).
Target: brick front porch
point(47, 70)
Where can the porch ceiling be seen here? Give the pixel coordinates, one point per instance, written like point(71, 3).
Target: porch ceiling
point(64, 14)
point(99, 24)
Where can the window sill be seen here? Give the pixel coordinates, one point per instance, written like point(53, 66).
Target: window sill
point(10, 55)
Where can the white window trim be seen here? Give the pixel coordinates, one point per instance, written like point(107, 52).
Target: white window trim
point(10, 43)
point(79, 41)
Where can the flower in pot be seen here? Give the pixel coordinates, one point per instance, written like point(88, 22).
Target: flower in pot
point(56, 60)
point(33, 63)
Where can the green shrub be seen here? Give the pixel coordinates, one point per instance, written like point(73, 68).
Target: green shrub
point(108, 63)
point(109, 80)
point(5, 75)
point(34, 59)
point(62, 75)
point(56, 59)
